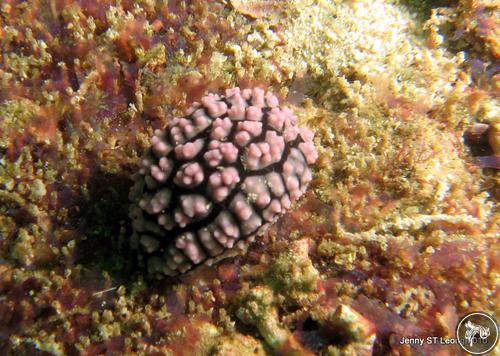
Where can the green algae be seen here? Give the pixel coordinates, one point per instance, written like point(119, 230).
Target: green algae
point(358, 339)
point(293, 274)
point(423, 9)
point(258, 308)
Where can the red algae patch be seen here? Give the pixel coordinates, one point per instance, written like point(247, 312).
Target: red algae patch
point(257, 8)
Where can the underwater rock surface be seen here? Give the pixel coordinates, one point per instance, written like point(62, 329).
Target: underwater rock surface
point(396, 236)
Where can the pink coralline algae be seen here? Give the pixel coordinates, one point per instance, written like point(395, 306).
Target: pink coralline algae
point(216, 178)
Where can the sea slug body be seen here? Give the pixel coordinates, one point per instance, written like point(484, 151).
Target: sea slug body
point(216, 178)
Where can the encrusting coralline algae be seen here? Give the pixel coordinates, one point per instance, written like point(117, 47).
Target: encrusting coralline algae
point(217, 177)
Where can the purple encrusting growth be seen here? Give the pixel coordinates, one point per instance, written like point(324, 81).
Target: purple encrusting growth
point(217, 177)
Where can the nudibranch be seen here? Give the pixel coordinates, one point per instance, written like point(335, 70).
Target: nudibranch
point(216, 178)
